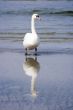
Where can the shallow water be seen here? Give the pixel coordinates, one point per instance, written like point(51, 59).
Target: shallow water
point(45, 81)
point(36, 82)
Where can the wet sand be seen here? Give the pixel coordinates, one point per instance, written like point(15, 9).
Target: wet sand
point(43, 82)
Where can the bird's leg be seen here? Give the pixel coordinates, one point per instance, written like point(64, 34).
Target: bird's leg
point(35, 58)
point(26, 51)
point(26, 58)
point(35, 51)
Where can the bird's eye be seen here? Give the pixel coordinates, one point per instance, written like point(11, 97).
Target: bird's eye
point(37, 16)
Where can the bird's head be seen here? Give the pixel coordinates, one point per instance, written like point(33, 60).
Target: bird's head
point(35, 16)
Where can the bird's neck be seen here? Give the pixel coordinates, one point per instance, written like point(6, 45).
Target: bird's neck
point(33, 26)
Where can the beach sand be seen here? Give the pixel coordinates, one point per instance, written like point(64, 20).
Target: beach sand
point(47, 85)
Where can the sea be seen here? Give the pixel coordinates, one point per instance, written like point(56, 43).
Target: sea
point(56, 18)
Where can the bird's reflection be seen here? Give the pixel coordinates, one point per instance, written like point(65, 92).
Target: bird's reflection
point(31, 68)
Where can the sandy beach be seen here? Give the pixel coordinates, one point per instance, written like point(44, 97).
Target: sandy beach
point(47, 86)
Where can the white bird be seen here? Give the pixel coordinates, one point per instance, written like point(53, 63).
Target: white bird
point(31, 40)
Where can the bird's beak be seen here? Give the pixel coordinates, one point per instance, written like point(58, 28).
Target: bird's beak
point(39, 18)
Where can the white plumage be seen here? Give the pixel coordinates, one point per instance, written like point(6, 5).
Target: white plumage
point(31, 40)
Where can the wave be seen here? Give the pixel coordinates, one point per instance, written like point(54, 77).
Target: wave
point(40, 11)
point(63, 12)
